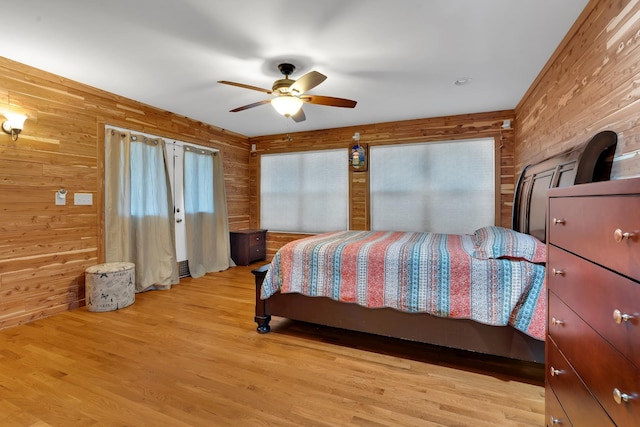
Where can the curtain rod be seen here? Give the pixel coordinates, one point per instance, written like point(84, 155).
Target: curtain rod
point(152, 136)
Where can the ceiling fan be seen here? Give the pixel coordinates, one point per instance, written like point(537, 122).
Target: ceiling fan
point(290, 94)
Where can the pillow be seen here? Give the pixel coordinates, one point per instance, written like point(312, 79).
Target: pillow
point(498, 242)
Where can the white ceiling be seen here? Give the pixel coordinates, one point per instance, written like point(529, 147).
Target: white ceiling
point(397, 58)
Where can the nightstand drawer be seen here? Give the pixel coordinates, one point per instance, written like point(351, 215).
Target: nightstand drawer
point(256, 240)
point(600, 229)
point(607, 301)
point(257, 252)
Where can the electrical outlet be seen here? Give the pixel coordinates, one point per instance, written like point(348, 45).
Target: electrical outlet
point(83, 199)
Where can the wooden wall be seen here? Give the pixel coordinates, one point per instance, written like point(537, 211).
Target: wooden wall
point(423, 130)
point(44, 248)
point(590, 84)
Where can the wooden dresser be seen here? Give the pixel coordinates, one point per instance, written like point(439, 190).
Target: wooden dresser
point(248, 246)
point(593, 324)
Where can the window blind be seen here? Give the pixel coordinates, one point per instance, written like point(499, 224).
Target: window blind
point(304, 191)
point(445, 187)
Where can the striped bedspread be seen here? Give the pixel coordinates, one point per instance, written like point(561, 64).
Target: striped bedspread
point(413, 272)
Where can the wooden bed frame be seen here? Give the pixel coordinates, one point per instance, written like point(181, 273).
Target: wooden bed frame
point(589, 162)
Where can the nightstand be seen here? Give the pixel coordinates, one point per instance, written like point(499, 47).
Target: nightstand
point(248, 246)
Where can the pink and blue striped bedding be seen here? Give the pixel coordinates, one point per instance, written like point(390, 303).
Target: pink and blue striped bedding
point(413, 272)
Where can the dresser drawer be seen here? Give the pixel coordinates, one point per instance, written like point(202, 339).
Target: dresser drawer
point(602, 298)
point(587, 226)
point(601, 367)
point(577, 404)
point(554, 414)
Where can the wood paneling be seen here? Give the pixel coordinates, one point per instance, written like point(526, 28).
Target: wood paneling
point(359, 216)
point(44, 248)
point(590, 84)
point(466, 126)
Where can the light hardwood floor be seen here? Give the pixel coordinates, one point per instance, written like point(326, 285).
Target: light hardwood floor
point(191, 357)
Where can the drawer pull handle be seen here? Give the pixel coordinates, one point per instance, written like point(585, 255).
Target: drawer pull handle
point(620, 317)
point(559, 221)
point(557, 272)
point(554, 372)
point(619, 396)
point(554, 421)
point(619, 235)
point(556, 322)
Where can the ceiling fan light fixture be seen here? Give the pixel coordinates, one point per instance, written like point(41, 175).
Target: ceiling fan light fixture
point(287, 105)
point(287, 94)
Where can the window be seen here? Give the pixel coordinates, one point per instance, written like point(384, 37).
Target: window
point(149, 190)
point(446, 187)
point(198, 181)
point(304, 191)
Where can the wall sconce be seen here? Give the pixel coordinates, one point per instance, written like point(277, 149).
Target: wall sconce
point(287, 105)
point(14, 124)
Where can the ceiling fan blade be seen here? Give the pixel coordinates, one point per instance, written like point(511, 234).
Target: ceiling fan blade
point(299, 116)
point(246, 107)
point(308, 82)
point(259, 89)
point(329, 100)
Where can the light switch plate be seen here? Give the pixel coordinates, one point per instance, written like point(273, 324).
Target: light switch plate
point(83, 199)
point(60, 199)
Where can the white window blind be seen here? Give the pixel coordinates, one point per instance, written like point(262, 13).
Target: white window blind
point(304, 191)
point(446, 187)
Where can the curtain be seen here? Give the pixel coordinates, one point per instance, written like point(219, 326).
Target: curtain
point(206, 219)
point(139, 210)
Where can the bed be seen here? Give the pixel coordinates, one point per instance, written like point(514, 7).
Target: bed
point(483, 292)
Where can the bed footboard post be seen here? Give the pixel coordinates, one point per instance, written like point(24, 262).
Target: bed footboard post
point(261, 317)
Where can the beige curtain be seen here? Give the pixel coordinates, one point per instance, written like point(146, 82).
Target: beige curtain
point(206, 220)
point(139, 209)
